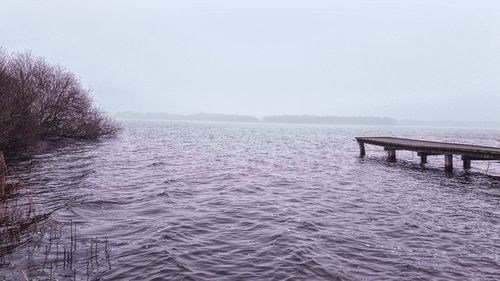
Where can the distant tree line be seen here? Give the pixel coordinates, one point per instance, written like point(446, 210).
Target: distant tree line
point(311, 119)
point(189, 117)
point(40, 101)
point(297, 119)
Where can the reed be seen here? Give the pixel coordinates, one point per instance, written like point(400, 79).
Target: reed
point(55, 251)
point(3, 174)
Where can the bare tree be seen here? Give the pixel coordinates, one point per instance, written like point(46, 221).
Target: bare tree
point(43, 101)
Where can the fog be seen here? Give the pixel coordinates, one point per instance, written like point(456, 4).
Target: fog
point(416, 59)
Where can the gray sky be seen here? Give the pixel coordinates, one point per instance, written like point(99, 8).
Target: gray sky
point(413, 59)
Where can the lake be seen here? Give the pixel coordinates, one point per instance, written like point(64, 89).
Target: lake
point(235, 201)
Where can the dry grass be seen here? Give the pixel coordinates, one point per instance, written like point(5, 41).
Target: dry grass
point(53, 249)
point(8, 189)
point(3, 174)
point(15, 216)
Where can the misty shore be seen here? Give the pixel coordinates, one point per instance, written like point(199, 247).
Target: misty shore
point(292, 119)
point(304, 119)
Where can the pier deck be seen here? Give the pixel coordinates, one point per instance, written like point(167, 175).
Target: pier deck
point(428, 148)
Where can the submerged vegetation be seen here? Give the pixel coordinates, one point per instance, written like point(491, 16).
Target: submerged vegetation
point(40, 101)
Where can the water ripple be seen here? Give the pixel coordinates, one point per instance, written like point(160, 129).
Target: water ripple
point(209, 201)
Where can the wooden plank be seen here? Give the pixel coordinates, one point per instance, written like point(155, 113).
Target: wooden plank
point(469, 158)
point(428, 154)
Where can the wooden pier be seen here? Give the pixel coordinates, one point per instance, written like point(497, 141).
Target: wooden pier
point(424, 149)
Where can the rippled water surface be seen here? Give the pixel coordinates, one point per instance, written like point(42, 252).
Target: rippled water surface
point(217, 201)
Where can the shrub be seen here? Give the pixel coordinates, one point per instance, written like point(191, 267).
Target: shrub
point(42, 101)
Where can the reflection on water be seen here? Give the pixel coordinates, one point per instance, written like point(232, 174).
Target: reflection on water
point(216, 201)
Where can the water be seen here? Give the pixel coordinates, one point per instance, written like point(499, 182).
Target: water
point(218, 201)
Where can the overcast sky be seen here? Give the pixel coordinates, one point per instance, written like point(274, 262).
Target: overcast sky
point(408, 59)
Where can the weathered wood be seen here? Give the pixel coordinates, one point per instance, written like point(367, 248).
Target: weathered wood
point(362, 151)
point(423, 159)
point(434, 148)
point(428, 154)
point(477, 158)
point(427, 148)
point(448, 163)
point(391, 155)
point(467, 164)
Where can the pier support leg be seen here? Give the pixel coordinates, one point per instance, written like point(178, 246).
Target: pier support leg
point(467, 164)
point(448, 163)
point(392, 155)
point(362, 151)
point(423, 159)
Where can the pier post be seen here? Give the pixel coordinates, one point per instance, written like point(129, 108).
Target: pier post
point(423, 159)
point(467, 164)
point(424, 149)
point(448, 163)
point(362, 151)
point(392, 155)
